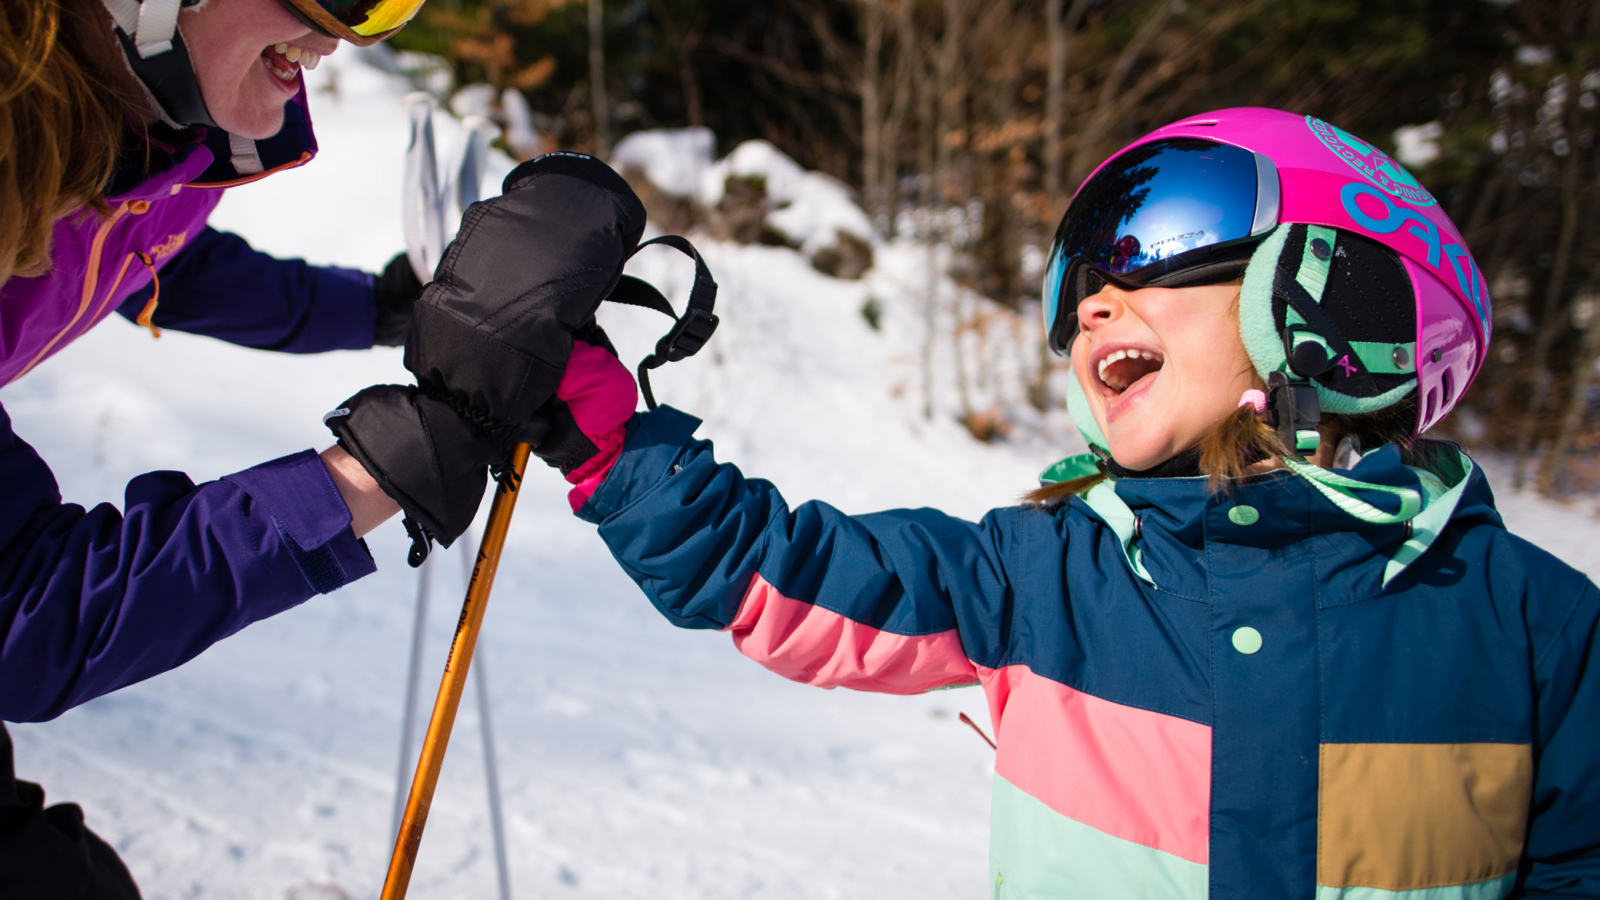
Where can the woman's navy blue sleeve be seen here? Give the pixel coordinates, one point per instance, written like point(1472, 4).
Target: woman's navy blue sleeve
point(95, 600)
point(220, 287)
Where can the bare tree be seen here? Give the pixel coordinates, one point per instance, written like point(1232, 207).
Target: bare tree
point(1551, 323)
point(684, 44)
point(871, 111)
point(904, 71)
point(597, 80)
point(1583, 377)
point(1108, 101)
point(1059, 32)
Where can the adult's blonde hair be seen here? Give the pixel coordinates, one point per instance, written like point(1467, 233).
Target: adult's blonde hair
point(63, 124)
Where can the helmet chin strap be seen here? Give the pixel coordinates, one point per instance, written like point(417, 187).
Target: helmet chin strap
point(1184, 465)
point(153, 47)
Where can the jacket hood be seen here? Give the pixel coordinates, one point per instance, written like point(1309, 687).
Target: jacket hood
point(1165, 524)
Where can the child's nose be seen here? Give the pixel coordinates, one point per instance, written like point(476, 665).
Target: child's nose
point(1101, 308)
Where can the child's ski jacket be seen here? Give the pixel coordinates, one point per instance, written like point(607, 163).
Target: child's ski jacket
point(1195, 694)
point(93, 601)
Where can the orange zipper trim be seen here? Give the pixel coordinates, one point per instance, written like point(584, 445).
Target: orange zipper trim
point(305, 157)
point(91, 280)
point(149, 311)
point(115, 283)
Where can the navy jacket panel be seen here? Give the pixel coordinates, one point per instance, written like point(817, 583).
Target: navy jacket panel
point(1267, 618)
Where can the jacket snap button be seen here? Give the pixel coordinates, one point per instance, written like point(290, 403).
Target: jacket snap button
point(1320, 248)
point(1243, 515)
point(1246, 640)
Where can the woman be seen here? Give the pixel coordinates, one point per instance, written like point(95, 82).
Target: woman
point(121, 125)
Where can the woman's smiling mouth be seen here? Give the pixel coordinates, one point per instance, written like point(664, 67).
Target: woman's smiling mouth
point(284, 61)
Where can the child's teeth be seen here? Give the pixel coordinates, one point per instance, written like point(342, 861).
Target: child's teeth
point(292, 54)
point(281, 48)
point(309, 60)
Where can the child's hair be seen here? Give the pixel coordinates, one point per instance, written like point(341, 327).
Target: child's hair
point(1241, 439)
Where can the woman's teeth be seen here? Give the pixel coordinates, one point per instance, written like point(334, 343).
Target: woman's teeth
point(285, 60)
point(1119, 379)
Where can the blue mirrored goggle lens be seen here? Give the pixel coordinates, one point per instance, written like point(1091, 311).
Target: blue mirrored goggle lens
point(1141, 214)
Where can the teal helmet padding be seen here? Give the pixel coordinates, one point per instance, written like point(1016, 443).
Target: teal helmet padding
point(1078, 408)
point(1348, 296)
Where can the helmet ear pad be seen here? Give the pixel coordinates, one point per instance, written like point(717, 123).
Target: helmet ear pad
point(1359, 303)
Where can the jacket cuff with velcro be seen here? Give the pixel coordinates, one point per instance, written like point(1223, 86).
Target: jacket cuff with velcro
point(311, 518)
point(655, 443)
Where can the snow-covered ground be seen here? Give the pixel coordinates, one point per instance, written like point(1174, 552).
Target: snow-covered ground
point(636, 760)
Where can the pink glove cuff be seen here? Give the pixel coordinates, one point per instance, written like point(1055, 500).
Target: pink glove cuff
point(588, 477)
point(601, 396)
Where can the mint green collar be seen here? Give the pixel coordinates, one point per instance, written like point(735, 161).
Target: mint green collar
point(1427, 512)
point(1102, 499)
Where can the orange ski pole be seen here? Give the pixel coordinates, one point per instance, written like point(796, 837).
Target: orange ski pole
point(454, 681)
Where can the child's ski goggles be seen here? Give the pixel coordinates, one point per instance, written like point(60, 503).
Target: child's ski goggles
point(360, 22)
point(1169, 213)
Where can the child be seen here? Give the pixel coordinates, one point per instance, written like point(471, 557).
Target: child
point(1264, 642)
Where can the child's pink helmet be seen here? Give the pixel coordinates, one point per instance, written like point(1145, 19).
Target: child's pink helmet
point(1306, 212)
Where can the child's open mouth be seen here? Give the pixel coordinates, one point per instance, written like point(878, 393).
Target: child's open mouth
point(285, 61)
point(1122, 370)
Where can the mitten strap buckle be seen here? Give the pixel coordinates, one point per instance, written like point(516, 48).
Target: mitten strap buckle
point(690, 331)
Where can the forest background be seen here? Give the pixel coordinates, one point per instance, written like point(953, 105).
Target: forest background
point(966, 125)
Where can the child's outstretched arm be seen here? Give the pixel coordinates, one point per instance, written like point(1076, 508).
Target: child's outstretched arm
point(880, 602)
point(899, 602)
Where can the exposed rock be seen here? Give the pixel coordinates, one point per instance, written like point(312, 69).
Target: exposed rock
point(849, 257)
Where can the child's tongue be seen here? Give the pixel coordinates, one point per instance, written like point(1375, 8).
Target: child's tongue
point(1129, 373)
point(1140, 382)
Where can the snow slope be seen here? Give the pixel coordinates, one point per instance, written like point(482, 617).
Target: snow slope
point(636, 760)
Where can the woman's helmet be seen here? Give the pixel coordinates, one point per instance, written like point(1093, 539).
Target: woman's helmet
point(153, 44)
point(1358, 290)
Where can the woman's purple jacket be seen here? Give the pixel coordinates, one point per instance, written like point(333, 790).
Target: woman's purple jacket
point(91, 601)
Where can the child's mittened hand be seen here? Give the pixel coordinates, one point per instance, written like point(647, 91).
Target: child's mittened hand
point(588, 419)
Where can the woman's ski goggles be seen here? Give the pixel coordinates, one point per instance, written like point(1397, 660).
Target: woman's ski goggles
point(1170, 213)
point(360, 22)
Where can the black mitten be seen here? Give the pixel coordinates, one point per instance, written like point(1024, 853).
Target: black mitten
point(492, 332)
point(422, 453)
point(396, 290)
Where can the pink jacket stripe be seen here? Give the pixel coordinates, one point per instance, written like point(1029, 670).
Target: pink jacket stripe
point(1130, 773)
point(806, 643)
